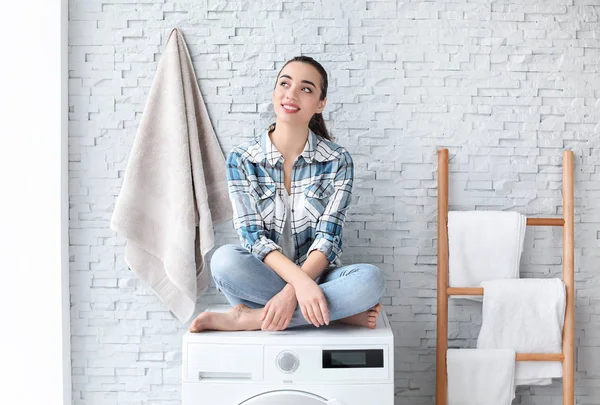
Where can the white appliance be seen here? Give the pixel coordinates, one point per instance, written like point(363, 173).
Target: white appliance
point(333, 365)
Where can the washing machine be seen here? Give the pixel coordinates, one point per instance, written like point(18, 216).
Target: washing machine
point(333, 365)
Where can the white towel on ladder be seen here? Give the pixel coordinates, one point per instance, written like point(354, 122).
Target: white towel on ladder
point(480, 377)
point(484, 245)
point(526, 315)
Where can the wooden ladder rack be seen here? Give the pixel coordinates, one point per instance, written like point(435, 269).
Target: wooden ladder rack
point(443, 291)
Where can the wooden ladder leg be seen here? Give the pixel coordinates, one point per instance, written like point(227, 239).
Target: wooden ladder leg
point(569, 280)
point(441, 391)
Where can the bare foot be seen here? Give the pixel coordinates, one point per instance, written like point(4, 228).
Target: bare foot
point(368, 319)
point(240, 317)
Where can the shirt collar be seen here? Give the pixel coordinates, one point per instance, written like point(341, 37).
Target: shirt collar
point(272, 155)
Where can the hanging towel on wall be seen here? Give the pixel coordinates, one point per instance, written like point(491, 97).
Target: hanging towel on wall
point(174, 188)
point(484, 245)
point(480, 377)
point(526, 315)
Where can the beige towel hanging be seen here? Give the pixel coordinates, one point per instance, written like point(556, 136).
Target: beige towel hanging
point(174, 188)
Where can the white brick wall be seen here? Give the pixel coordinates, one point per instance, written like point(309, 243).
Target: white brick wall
point(506, 86)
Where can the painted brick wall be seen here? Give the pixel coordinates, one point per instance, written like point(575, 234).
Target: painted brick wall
point(505, 85)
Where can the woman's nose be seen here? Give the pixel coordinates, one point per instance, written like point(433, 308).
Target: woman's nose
point(292, 93)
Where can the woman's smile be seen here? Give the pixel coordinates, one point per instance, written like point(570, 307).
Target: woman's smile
point(290, 108)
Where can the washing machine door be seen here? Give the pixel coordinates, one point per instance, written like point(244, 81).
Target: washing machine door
point(288, 398)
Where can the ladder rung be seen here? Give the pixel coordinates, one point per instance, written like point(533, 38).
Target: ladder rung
point(545, 222)
point(465, 291)
point(540, 357)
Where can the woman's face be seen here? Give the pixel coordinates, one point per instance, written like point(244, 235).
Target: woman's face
point(296, 97)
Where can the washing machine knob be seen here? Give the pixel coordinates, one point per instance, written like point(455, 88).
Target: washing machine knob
point(287, 362)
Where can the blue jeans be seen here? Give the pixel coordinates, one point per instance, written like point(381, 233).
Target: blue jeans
point(244, 279)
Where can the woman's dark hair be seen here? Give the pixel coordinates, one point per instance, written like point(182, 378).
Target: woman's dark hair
point(317, 123)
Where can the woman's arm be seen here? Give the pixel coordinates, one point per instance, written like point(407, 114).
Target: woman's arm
point(285, 268)
point(315, 263)
point(289, 271)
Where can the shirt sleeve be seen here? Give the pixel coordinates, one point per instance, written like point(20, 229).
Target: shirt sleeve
point(328, 233)
point(246, 218)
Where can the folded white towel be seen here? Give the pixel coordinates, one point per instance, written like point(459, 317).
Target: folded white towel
point(174, 188)
point(484, 245)
point(480, 377)
point(526, 315)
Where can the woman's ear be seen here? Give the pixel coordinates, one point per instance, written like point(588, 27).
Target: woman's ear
point(321, 105)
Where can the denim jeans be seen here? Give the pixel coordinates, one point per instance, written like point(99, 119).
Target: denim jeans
point(244, 279)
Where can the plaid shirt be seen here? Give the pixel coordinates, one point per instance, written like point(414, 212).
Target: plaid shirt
point(320, 195)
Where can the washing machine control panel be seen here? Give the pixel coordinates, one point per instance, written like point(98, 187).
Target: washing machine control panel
point(331, 363)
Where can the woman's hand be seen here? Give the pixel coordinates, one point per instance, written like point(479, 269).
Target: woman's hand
point(312, 301)
point(278, 312)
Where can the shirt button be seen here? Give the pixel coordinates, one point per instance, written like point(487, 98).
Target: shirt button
point(292, 210)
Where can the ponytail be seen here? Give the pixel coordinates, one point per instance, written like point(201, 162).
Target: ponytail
point(317, 125)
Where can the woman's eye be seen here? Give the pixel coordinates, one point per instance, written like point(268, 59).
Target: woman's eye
point(304, 89)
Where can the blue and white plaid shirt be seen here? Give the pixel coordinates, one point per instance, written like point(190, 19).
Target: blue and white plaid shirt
point(321, 192)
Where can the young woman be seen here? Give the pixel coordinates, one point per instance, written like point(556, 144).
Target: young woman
point(290, 189)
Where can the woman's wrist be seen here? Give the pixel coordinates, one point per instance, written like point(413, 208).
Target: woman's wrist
point(289, 289)
point(298, 278)
point(289, 292)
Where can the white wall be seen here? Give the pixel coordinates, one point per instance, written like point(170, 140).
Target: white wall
point(34, 295)
point(505, 85)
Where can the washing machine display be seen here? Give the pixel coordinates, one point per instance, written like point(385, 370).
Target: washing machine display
point(353, 358)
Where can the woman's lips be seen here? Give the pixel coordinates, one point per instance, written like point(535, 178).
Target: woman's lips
point(290, 109)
